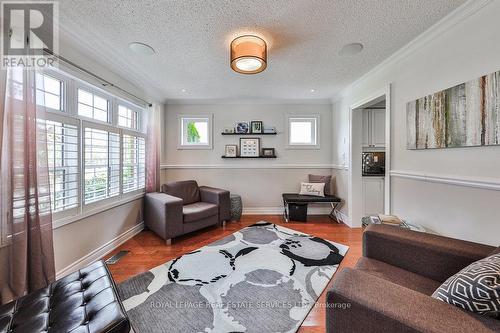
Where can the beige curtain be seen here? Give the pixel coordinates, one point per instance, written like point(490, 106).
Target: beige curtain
point(26, 249)
point(153, 149)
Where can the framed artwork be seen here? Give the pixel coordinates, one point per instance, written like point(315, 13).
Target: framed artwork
point(465, 115)
point(242, 127)
point(231, 151)
point(268, 152)
point(256, 127)
point(249, 147)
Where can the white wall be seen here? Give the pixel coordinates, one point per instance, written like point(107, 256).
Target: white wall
point(463, 47)
point(260, 182)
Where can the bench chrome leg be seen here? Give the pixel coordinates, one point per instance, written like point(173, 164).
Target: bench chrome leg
point(168, 242)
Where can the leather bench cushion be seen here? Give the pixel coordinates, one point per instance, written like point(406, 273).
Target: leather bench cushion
point(199, 210)
point(397, 275)
point(84, 301)
point(187, 190)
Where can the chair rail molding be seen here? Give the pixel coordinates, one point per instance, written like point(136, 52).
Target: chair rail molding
point(252, 166)
point(475, 182)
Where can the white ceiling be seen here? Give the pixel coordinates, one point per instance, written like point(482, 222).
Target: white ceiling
point(192, 37)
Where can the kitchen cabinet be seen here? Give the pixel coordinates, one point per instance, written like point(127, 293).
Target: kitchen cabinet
point(373, 195)
point(373, 128)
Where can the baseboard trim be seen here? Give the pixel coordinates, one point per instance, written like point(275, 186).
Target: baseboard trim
point(475, 182)
point(101, 251)
point(279, 210)
point(340, 216)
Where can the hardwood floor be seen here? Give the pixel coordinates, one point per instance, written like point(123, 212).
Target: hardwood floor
point(148, 250)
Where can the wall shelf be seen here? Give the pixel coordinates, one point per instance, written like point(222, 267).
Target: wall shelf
point(249, 133)
point(248, 157)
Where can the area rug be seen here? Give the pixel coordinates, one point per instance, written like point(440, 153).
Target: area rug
point(263, 278)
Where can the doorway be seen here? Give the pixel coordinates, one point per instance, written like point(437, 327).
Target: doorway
point(370, 135)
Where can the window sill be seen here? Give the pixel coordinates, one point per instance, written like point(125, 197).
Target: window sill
point(68, 220)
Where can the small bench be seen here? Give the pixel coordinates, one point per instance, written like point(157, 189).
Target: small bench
point(294, 198)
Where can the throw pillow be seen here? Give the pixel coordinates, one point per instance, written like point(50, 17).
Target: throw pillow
point(317, 189)
point(327, 180)
point(475, 288)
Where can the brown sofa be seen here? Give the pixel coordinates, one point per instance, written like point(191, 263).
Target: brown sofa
point(183, 207)
point(390, 288)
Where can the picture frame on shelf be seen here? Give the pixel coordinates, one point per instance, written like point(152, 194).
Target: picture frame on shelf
point(268, 152)
point(256, 127)
point(242, 127)
point(249, 147)
point(231, 151)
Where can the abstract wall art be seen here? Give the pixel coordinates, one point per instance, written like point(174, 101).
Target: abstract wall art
point(465, 115)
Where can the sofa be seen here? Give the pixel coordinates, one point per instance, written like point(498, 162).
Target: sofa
point(183, 207)
point(390, 287)
point(83, 301)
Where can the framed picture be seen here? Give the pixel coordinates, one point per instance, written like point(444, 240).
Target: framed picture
point(256, 127)
point(249, 147)
point(268, 152)
point(242, 127)
point(231, 151)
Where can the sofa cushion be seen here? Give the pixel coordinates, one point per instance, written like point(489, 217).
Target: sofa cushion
point(327, 180)
point(397, 275)
point(187, 190)
point(199, 210)
point(475, 288)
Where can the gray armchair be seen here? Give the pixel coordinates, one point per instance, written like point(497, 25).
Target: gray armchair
point(183, 207)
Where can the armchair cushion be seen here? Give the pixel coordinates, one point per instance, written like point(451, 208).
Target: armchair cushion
point(432, 256)
point(199, 210)
point(373, 304)
point(397, 275)
point(187, 190)
point(218, 197)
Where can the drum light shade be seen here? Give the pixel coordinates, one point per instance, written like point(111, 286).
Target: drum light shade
point(248, 54)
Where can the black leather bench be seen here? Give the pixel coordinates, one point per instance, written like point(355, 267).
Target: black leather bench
point(294, 198)
point(85, 301)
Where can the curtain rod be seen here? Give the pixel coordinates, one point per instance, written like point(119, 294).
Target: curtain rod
point(104, 82)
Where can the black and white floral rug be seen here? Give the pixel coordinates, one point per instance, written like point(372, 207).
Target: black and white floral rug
point(263, 278)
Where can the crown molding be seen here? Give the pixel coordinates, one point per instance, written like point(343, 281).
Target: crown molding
point(249, 101)
point(469, 8)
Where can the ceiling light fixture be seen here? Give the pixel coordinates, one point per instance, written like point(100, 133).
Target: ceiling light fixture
point(248, 54)
point(351, 49)
point(141, 48)
point(183, 90)
point(312, 90)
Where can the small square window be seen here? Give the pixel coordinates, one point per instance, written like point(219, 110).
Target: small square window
point(303, 132)
point(93, 106)
point(127, 117)
point(49, 92)
point(195, 132)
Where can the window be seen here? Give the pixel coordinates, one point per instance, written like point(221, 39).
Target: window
point(49, 92)
point(101, 164)
point(195, 132)
point(92, 106)
point(303, 132)
point(134, 167)
point(127, 117)
point(94, 158)
point(62, 151)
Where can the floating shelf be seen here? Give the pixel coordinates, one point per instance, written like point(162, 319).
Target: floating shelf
point(249, 133)
point(248, 157)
